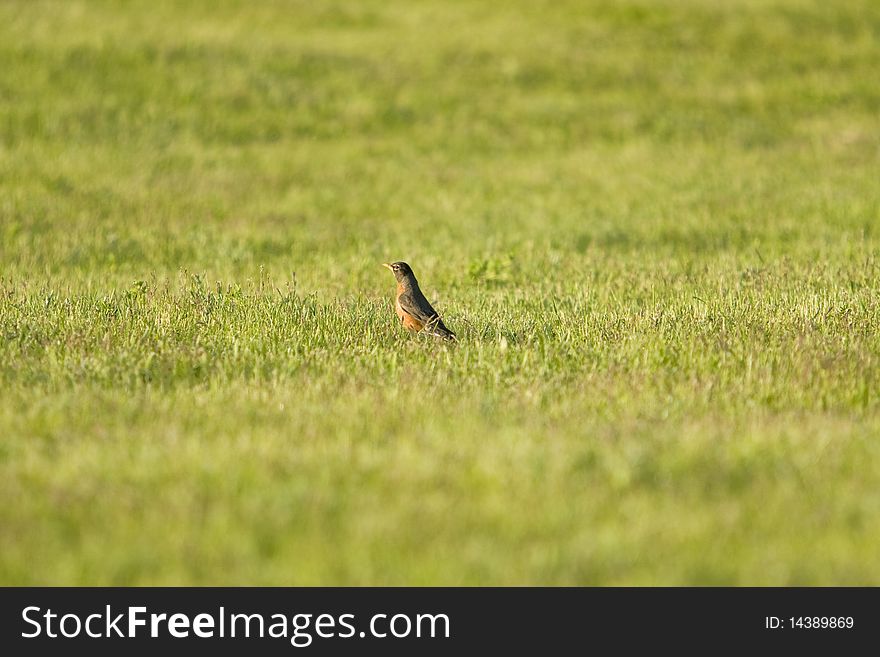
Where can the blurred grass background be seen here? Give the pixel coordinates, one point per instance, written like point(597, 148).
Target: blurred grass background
point(653, 224)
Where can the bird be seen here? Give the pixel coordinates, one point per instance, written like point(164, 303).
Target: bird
point(413, 309)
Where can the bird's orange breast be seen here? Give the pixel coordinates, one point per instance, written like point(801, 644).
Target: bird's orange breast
point(408, 320)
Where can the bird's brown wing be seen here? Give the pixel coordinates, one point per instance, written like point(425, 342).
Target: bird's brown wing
point(417, 306)
point(421, 309)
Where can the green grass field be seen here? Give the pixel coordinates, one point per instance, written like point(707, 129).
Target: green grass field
point(653, 225)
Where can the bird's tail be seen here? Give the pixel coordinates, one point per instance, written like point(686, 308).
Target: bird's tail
point(438, 329)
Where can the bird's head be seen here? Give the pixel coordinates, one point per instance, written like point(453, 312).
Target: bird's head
point(401, 270)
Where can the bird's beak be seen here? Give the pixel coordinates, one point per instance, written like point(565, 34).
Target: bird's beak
point(385, 264)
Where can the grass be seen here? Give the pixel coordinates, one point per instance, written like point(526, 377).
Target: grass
point(653, 225)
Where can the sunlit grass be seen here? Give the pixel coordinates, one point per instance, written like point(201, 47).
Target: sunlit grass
point(653, 226)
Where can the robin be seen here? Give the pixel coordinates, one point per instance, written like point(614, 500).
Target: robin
point(412, 307)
